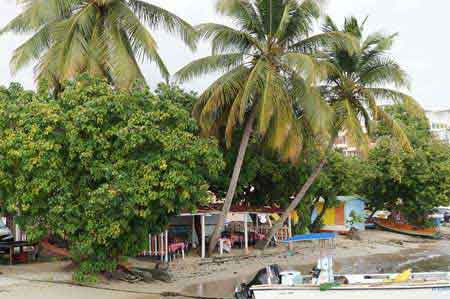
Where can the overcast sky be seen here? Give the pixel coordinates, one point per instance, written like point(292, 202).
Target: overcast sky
point(421, 24)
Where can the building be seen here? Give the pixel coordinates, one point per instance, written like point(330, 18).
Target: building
point(440, 124)
point(343, 144)
point(337, 219)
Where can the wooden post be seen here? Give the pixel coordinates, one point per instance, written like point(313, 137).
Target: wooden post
point(221, 246)
point(290, 244)
point(203, 237)
point(149, 244)
point(167, 246)
point(257, 223)
point(161, 252)
point(193, 232)
point(246, 233)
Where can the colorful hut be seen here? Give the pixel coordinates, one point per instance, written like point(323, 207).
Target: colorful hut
point(337, 219)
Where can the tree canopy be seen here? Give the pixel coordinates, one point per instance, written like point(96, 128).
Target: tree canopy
point(101, 167)
point(412, 183)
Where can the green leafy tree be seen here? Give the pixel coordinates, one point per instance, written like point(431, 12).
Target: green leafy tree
point(102, 167)
point(104, 38)
point(357, 80)
point(412, 183)
point(268, 70)
point(416, 126)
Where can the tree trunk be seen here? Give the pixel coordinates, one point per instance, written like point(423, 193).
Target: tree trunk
point(294, 203)
point(319, 217)
point(311, 179)
point(372, 214)
point(233, 183)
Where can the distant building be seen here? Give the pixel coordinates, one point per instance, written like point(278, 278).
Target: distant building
point(440, 124)
point(343, 144)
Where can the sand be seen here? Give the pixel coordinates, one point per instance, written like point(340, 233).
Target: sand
point(377, 250)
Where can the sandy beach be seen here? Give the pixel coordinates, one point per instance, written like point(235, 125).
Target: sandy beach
point(216, 277)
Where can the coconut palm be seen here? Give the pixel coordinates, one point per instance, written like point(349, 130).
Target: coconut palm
point(103, 37)
point(268, 71)
point(357, 82)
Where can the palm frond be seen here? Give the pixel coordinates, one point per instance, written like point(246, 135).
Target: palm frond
point(227, 39)
point(143, 44)
point(253, 87)
point(244, 13)
point(327, 39)
point(382, 71)
point(31, 49)
point(397, 97)
point(157, 17)
point(210, 64)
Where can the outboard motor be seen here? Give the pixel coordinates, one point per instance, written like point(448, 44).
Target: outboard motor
point(268, 275)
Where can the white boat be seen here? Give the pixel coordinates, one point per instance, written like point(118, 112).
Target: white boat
point(270, 283)
point(420, 286)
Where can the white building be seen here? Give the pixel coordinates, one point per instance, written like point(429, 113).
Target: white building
point(440, 124)
point(343, 144)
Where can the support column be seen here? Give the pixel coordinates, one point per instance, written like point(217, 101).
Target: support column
point(203, 237)
point(167, 246)
point(193, 232)
point(290, 244)
point(246, 233)
point(156, 245)
point(161, 252)
point(150, 245)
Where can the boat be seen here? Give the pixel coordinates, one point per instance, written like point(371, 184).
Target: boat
point(407, 229)
point(419, 285)
point(272, 283)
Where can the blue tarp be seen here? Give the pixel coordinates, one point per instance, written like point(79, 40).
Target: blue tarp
point(310, 237)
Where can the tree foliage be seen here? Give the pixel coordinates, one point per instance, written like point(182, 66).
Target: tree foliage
point(415, 125)
point(412, 183)
point(104, 38)
point(101, 167)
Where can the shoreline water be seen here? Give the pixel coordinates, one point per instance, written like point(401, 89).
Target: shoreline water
point(376, 250)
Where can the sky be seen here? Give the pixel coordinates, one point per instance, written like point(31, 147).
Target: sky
point(421, 25)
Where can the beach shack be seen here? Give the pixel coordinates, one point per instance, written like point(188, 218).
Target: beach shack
point(337, 218)
point(193, 230)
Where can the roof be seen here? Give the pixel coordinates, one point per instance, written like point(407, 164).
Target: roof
point(216, 208)
point(349, 198)
point(345, 198)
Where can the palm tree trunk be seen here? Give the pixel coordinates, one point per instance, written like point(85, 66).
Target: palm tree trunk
point(279, 224)
point(233, 183)
point(298, 198)
point(315, 225)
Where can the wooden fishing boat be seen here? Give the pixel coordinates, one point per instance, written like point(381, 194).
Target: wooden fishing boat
point(407, 229)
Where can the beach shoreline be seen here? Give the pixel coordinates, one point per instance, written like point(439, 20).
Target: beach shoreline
point(216, 276)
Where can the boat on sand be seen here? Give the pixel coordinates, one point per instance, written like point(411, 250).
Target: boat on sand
point(407, 229)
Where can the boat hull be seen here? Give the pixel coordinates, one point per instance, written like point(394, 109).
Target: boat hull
point(407, 229)
point(431, 291)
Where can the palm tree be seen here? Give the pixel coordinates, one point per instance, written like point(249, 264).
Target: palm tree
point(356, 83)
point(266, 83)
point(103, 37)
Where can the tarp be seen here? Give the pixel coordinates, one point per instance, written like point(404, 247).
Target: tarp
point(310, 237)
